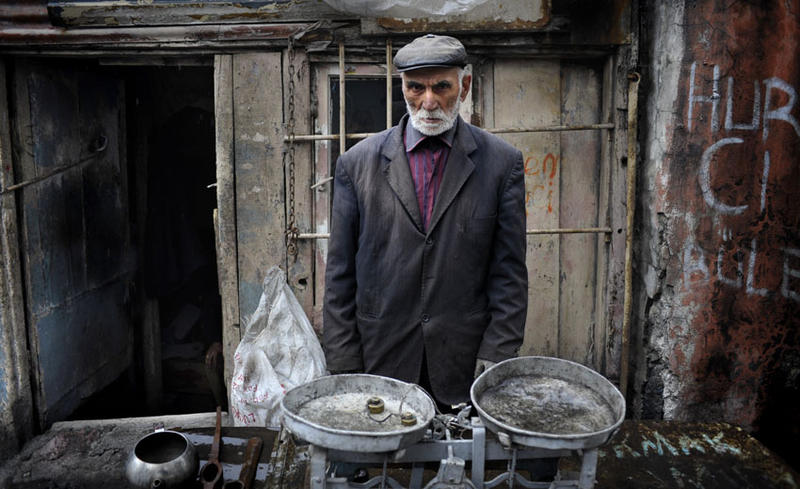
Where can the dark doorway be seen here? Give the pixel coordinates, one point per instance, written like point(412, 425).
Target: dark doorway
point(169, 117)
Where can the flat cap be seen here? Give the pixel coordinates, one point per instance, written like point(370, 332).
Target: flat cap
point(430, 51)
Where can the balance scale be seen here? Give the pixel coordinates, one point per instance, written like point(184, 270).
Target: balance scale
point(528, 408)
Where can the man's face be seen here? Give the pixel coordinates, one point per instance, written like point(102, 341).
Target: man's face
point(433, 97)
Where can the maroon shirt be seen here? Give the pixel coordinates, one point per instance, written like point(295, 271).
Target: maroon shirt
point(427, 157)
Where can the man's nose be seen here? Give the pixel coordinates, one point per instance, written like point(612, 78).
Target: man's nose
point(429, 101)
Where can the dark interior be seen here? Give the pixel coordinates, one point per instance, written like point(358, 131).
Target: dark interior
point(169, 120)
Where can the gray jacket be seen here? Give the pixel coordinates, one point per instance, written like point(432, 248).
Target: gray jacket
point(456, 292)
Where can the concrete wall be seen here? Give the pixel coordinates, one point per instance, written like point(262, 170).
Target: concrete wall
point(718, 257)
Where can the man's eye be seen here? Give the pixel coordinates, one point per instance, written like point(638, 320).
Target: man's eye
point(414, 87)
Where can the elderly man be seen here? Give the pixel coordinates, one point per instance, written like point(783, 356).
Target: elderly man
point(426, 279)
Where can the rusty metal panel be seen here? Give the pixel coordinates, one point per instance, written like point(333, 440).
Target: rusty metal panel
point(725, 275)
point(669, 455)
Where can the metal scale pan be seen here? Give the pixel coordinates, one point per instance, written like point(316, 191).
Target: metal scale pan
point(332, 412)
point(544, 402)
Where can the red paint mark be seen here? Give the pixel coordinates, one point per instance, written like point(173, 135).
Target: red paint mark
point(553, 164)
point(546, 170)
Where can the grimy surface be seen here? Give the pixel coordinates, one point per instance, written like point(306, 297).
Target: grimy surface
point(642, 455)
point(670, 455)
point(92, 454)
point(543, 404)
point(348, 411)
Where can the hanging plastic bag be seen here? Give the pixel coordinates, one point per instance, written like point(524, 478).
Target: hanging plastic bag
point(404, 8)
point(279, 351)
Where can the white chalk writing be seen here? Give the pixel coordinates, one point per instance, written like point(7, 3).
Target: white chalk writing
point(705, 178)
point(782, 113)
point(694, 263)
point(729, 124)
point(774, 84)
point(712, 99)
point(736, 265)
point(656, 444)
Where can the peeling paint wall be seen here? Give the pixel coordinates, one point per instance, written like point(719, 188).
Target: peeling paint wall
point(718, 260)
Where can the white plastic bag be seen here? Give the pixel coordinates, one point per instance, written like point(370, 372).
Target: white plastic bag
point(404, 8)
point(279, 351)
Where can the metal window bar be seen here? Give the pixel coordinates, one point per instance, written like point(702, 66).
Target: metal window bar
point(497, 130)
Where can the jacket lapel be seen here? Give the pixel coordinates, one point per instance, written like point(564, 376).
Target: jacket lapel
point(459, 167)
point(399, 175)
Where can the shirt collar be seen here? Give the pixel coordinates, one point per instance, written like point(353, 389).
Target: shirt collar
point(414, 137)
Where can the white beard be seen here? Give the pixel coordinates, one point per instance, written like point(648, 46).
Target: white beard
point(446, 119)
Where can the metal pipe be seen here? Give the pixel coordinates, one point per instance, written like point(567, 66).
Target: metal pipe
point(581, 127)
point(342, 100)
point(321, 182)
point(388, 83)
point(630, 204)
point(98, 147)
point(502, 130)
point(568, 231)
point(527, 231)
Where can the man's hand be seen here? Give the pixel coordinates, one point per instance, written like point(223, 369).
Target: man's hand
point(481, 365)
point(340, 372)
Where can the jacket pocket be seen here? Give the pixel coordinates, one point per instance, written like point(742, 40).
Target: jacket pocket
point(367, 303)
point(481, 233)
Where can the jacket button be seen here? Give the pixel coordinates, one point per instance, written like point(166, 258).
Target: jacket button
point(429, 241)
point(425, 318)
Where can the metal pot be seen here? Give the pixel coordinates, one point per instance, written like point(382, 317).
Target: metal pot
point(333, 412)
point(590, 389)
point(163, 459)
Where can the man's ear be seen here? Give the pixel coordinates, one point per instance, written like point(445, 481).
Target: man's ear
point(465, 84)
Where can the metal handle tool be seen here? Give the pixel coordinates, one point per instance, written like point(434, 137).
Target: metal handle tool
point(249, 466)
point(211, 473)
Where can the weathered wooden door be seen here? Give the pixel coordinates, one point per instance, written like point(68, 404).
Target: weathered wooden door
point(567, 185)
point(74, 230)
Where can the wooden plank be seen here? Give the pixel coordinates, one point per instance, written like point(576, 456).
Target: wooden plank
point(258, 164)
point(55, 271)
point(323, 168)
point(483, 94)
point(16, 402)
point(103, 180)
point(148, 320)
point(527, 92)
point(580, 166)
point(616, 267)
point(225, 224)
point(300, 273)
point(26, 169)
point(603, 218)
